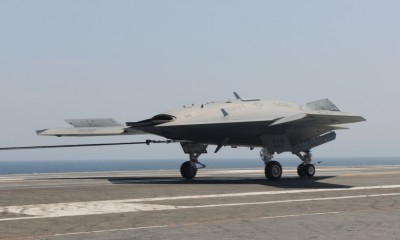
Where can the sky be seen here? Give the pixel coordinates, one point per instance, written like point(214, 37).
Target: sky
point(130, 60)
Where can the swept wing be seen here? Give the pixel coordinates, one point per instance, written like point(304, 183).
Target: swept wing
point(90, 127)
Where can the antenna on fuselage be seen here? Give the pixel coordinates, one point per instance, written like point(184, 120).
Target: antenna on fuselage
point(237, 96)
point(244, 100)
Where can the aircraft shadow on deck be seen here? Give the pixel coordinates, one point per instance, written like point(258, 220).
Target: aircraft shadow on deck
point(282, 183)
point(288, 182)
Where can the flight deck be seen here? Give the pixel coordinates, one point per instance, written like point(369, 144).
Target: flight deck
point(338, 203)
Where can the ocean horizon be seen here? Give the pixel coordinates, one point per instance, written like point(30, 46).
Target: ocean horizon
point(61, 166)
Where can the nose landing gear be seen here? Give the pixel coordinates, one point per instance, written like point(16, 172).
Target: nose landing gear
point(189, 168)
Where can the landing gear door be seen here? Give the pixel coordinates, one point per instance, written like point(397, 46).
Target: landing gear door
point(278, 143)
point(189, 147)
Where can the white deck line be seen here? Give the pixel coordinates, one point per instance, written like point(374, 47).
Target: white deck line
point(35, 211)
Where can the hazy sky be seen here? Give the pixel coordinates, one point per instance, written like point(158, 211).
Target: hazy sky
point(133, 59)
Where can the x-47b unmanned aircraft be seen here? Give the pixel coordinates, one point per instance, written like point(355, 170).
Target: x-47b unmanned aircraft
point(274, 126)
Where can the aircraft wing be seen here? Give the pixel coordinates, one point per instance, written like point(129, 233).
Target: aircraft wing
point(323, 113)
point(321, 118)
point(91, 127)
point(302, 127)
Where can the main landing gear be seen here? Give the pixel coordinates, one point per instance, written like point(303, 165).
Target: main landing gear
point(273, 169)
point(305, 169)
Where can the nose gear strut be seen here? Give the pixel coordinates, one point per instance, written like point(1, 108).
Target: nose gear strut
point(189, 168)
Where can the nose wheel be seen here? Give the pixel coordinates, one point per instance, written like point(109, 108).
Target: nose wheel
point(188, 170)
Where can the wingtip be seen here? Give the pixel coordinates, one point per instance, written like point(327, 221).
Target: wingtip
point(40, 132)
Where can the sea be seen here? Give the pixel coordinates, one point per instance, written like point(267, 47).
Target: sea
point(60, 166)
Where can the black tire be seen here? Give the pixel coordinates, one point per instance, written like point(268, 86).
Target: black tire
point(188, 171)
point(273, 170)
point(301, 170)
point(309, 170)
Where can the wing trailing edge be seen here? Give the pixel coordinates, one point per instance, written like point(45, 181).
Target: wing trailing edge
point(94, 122)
